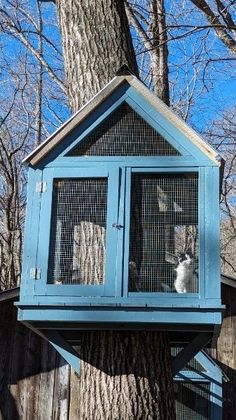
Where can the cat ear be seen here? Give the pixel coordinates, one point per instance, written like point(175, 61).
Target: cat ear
point(190, 254)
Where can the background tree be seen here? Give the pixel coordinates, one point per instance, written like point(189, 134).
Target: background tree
point(15, 126)
point(222, 133)
point(30, 87)
point(220, 16)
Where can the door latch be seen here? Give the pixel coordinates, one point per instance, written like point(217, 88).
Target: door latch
point(117, 226)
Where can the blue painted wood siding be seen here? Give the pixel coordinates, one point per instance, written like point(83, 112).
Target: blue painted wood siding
point(118, 171)
point(37, 245)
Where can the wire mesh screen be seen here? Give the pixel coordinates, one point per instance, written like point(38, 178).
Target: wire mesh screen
point(192, 401)
point(124, 133)
point(77, 243)
point(164, 233)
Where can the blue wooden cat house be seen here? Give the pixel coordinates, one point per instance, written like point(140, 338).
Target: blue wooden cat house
point(122, 226)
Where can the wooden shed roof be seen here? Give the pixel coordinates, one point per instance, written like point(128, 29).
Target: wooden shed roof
point(51, 142)
point(10, 294)
point(228, 280)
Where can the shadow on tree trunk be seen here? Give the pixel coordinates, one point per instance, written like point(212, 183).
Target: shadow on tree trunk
point(134, 389)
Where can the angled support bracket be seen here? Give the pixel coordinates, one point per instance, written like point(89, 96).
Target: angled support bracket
point(192, 348)
point(63, 348)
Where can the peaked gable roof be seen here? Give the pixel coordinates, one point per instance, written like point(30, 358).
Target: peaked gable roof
point(51, 142)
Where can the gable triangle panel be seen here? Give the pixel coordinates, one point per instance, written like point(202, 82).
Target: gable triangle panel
point(124, 133)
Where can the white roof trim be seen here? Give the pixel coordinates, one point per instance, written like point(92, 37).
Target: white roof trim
point(36, 155)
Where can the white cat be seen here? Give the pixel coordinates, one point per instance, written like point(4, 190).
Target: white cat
point(186, 279)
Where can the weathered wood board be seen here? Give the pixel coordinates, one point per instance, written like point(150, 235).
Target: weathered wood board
point(34, 379)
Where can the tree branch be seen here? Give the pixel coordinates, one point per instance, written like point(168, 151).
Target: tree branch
point(213, 19)
point(18, 34)
point(138, 27)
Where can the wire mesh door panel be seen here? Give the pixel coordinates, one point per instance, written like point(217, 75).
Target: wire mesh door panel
point(163, 250)
point(192, 401)
point(78, 231)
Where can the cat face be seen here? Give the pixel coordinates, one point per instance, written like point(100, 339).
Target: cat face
point(184, 256)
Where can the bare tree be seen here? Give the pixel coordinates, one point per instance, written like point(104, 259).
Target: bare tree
point(197, 59)
point(222, 134)
point(29, 89)
point(220, 15)
point(20, 22)
point(150, 26)
point(12, 199)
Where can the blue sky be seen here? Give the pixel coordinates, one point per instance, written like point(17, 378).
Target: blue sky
point(186, 56)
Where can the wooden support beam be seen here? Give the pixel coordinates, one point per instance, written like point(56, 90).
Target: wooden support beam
point(63, 348)
point(192, 348)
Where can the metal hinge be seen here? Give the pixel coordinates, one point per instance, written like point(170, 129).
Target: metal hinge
point(35, 273)
point(41, 187)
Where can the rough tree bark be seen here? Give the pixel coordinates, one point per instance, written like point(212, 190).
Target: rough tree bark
point(160, 50)
point(96, 42)
point(124, 375)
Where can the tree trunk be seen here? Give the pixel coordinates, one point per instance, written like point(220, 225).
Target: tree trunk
point(154, 41)
point(96, 42)
point(159, 54)
point(124, 375)
point(39, 87)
